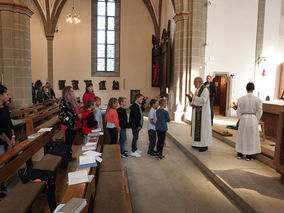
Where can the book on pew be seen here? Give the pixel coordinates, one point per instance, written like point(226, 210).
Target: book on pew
point(45, 130)
point(84, 166)
point(96, 130)
point(75, 205)
point(77, 177)
point(89, 147)
point(87, 161)
point(33, 136)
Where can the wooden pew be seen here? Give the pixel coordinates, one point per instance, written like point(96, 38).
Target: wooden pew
point(112, 194)
point(84, 190)
point(22, 196)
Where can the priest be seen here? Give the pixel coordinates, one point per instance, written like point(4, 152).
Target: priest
point(249, 112)
point(201, 116)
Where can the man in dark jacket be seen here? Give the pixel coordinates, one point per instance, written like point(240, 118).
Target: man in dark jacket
point(136, 123)
point(213, 91)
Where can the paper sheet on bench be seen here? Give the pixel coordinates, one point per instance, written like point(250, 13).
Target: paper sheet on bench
point(91, 144)
point(45, 129)
point(87, 159)
point(78, 177)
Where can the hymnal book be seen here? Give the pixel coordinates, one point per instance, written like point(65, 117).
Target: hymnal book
point(84, 166)
point(92, 147)
point(92, 153)
point(77, 177)
point(86, 159)
point(33, 136)
point(75, 205)
point(96, 130)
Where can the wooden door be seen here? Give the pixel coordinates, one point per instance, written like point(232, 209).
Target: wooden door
point(223, 95)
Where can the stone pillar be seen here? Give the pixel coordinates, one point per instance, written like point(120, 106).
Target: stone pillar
point(50, 59)
point(189, 53)
point(182, 62)
point(15, 56)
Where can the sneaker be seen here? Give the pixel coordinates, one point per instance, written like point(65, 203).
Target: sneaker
point(135, 154)
point(152, 153)
point(139, 151)
point(124, 155)
point(125, 151)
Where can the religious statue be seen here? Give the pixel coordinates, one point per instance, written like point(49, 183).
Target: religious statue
point(115, 85)
point(75, 84)
point(61, 84)
point(87, 82)
point(156, 77)
point(102, 85)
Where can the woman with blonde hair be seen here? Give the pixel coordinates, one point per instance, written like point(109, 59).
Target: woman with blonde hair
point(112, 120)
point(69, 116)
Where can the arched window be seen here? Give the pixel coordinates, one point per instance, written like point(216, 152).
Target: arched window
point(105, 37)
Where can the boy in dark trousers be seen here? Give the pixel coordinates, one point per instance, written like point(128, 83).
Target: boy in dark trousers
point(161, 126)
point(136, 123)
point(123, 123)
point(152, 119)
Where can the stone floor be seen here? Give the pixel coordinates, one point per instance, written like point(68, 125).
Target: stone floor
point(252, 185)
point(173, 184)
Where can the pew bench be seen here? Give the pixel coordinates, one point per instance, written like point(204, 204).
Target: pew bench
point(84, 190)
point(112, 194)
point(21, 197)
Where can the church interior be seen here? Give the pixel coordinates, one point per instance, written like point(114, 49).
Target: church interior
point(157, 48)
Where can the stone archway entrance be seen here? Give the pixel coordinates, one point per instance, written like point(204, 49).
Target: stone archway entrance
point(222, 100)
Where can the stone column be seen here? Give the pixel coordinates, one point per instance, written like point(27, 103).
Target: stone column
point(189, 53)
point(182, 45)
point(15, 56)
point(50, 59)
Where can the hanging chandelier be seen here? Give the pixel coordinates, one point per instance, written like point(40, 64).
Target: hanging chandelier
point(73, 17)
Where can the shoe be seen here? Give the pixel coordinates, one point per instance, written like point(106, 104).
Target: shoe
point(125, 151)
point(135, 154)
point(124, 155)
point(203, 149)
point(240, 155)
point(248, 157)
point(152, 153)
point(138, 151)
point(195, 147)
point(160, 156)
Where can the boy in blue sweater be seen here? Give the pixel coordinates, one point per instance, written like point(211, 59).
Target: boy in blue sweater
point(161, 126)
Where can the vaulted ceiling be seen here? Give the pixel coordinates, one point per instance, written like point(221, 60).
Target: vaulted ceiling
point(50, 10)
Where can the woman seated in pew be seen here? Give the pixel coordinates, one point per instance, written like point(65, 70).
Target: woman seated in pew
point(7, 137)
point(69, 116)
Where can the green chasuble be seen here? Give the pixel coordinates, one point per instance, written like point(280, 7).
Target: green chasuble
point(198, 116)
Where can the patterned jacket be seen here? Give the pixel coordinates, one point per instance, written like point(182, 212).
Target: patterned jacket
point(67, 114)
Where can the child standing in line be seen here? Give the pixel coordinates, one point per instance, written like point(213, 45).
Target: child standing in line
point(89, 121)
point(151, 127)
point(112, 120)
point(98, 114)
point(161, 126)
point(123, 123)
point(136, 123)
